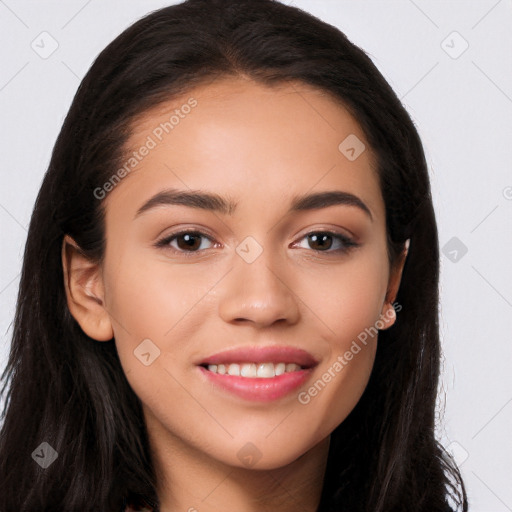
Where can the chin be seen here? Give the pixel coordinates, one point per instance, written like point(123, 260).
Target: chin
point(268, 456)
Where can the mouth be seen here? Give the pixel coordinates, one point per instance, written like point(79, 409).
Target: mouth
point(258, 373)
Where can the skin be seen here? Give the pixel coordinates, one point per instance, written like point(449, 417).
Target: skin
point(259, 146)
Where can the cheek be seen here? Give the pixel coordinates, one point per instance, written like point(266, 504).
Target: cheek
point(349, 305)
point(346, 298)
point(152, 304)
point(165, 303)
point(150, 298)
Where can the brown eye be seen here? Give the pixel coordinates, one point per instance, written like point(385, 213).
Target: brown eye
point(185, 241)
point(328, 242)
point(320, 241)
point(188, 241)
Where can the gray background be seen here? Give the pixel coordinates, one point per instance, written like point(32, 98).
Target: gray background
point(461, 101)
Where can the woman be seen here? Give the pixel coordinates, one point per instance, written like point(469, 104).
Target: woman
point(235, 211)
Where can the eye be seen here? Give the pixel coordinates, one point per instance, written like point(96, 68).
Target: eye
point(320, 241)
point(186, 241)
point(323, 241)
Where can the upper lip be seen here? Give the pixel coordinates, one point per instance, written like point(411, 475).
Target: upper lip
point(269, 354)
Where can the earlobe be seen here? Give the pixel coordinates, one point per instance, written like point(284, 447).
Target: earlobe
point(387, 317)
point(84, 291)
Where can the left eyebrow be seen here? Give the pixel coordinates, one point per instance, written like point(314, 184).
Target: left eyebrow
point(326, 199)
point(214, 202)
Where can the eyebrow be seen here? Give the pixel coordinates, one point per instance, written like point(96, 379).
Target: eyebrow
point(216, 203)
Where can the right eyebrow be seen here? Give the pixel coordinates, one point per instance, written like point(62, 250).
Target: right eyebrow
point(193, 199)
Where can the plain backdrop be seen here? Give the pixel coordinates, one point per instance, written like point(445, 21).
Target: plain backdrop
point(449, 62)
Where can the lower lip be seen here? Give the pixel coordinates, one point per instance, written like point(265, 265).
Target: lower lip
point(259, 389)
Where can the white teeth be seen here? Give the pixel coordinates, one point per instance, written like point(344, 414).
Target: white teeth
point(248, 370)
point(292, 367)
point(280, 369)
point(234, 369)
point(252, 370)
point(266, 370)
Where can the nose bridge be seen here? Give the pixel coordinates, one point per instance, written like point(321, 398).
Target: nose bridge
point(256, 290)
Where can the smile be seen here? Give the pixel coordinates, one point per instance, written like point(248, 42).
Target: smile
point(261, 374)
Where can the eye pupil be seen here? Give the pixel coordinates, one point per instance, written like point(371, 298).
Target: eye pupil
point(190, 241)
point(321, 239)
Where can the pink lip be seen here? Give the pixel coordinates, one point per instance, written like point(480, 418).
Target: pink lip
point(260, 389)
point(270, 354)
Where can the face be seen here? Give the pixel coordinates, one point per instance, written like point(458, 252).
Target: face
point(268, 277)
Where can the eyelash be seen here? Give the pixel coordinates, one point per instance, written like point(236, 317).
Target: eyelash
point(347, 242)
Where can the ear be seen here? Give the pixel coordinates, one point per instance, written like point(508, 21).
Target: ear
point(388, 314)
point(85, 292)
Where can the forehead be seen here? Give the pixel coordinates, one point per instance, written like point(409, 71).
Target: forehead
point(237, 136)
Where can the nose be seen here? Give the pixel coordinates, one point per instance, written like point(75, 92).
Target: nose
point(258, 293)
